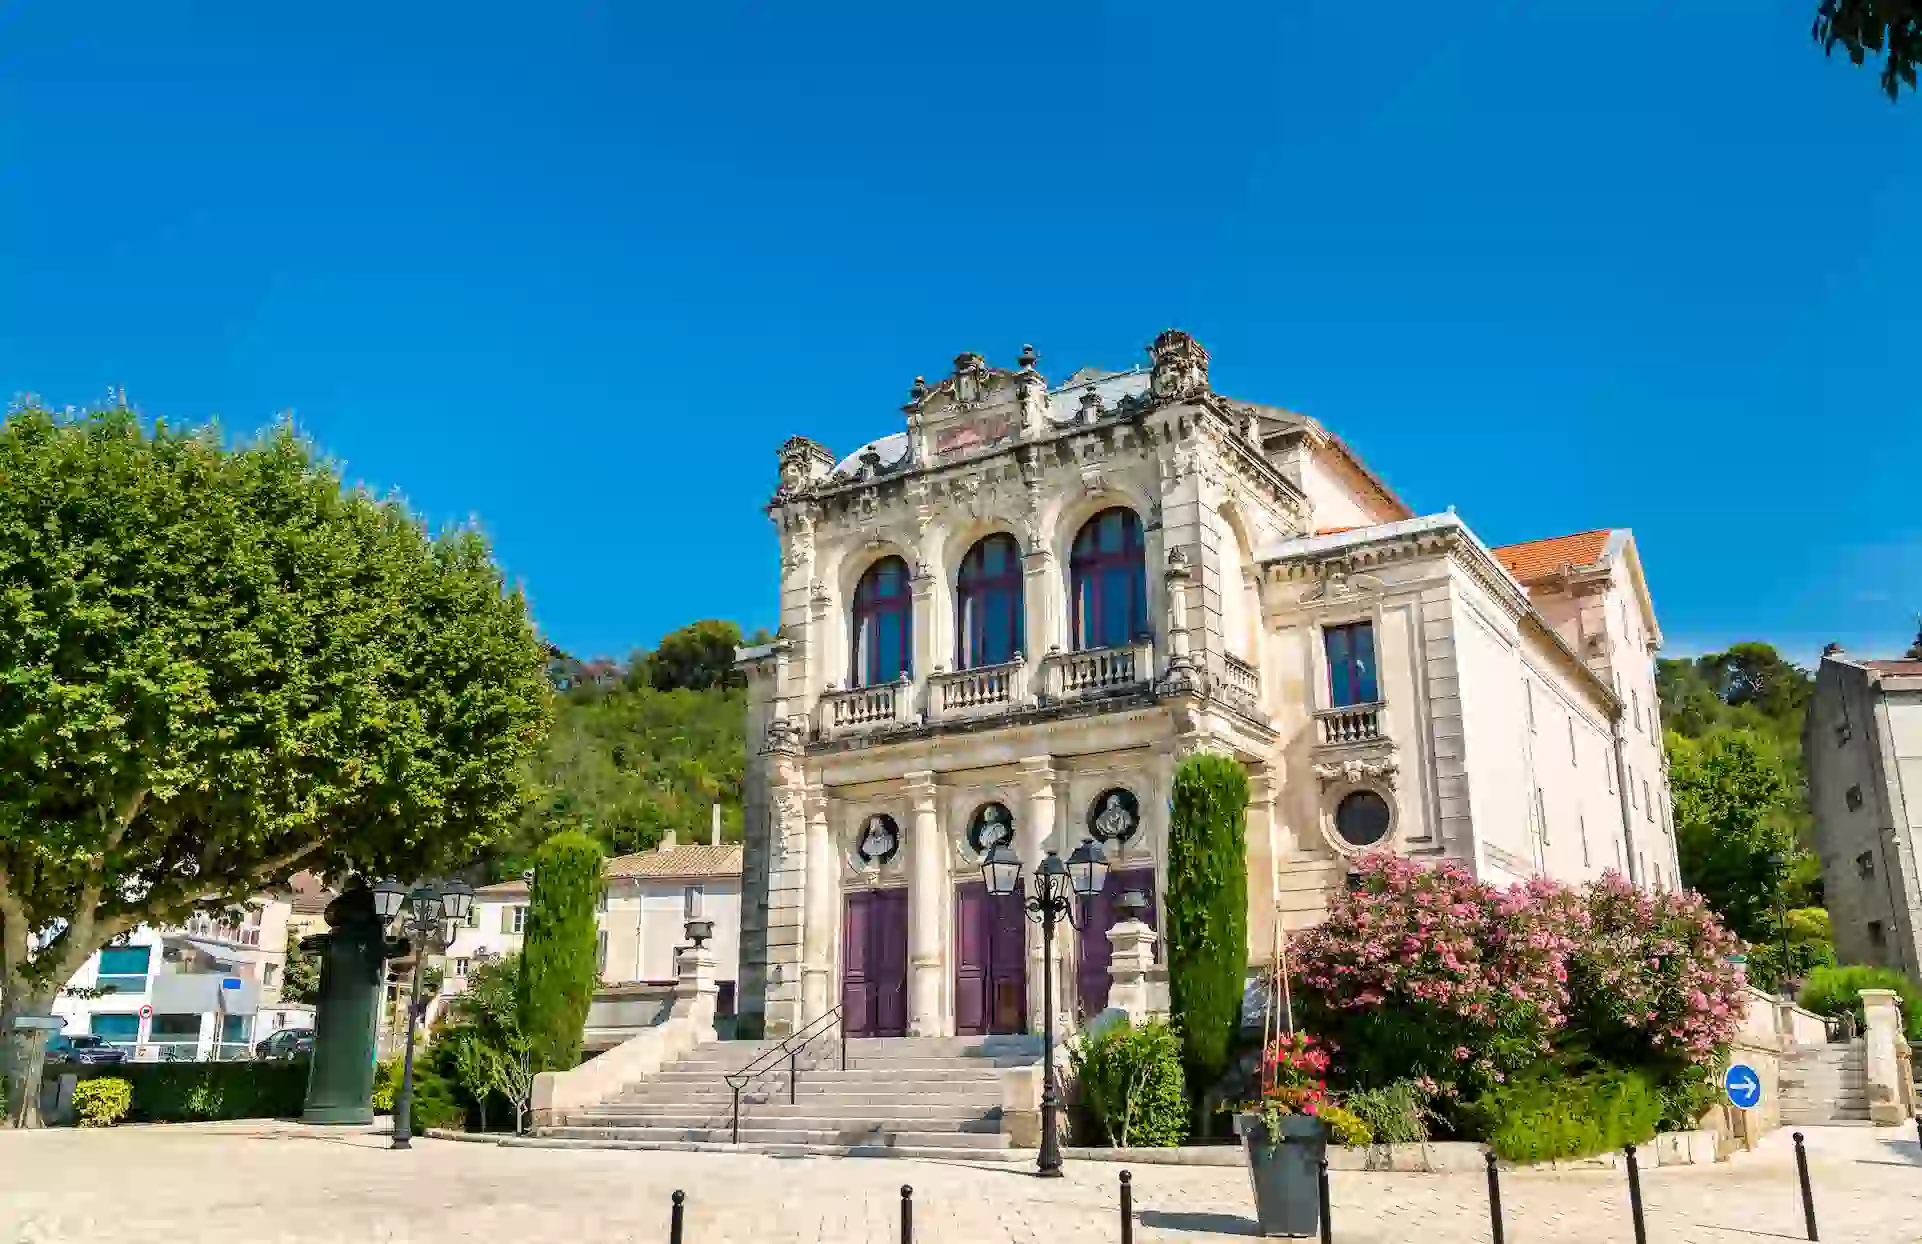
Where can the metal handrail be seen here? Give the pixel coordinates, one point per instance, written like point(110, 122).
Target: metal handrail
point(791, 1048)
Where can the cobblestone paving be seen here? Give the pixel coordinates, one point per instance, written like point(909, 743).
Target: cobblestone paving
point(267, 1183)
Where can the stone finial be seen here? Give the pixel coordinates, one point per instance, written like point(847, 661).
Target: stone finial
point(1831, 649)
point(918, 391)
point(1180, 365)
point(1028, 358)
point(1090, 405)
point(803, 463)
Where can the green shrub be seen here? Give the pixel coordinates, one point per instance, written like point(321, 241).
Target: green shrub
point(561, 951)
point(386, 1085)
point(1345, 1127)
point(102, 1102)
point(1131, 1085)
point(434, 1103)
point(1207, 912)
point(1836, 991)
point(1687, 1095)
point(1553, 1117)
point(1396, 1114)
point(185, 1092)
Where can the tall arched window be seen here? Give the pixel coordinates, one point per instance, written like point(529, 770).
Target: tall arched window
point(987, 603)
point(1108, 575)
point(883, 622)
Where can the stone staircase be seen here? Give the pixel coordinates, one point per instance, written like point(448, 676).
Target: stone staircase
point(1825, 1084)
point(900, 1096)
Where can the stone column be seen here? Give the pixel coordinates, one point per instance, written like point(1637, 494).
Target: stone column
point(927, 893)
point(1035, 837)
point(1133, 957)
point(1882, 1011)
point(823, 891)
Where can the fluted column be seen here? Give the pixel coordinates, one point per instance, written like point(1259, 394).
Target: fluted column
point(823, 895)
point(927, 890)
point(1035, 837)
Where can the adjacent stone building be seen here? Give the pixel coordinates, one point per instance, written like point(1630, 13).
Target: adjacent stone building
point(1010, 620)
point(1863, 747)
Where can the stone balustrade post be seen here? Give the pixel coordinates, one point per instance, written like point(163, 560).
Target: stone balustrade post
point(1132, 958)
point(695, 989)
point(1882, 1010)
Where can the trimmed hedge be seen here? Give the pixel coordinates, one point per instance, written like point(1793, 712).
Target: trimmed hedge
point(561, 952)
point(1207, 912)
point(1575, 1117)
point(196, 1092)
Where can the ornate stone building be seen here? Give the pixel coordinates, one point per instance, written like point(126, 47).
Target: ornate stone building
point(1012, 619)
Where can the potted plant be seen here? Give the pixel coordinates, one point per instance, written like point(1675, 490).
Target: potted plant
point(1283, 1137)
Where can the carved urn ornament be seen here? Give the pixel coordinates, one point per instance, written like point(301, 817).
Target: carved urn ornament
point(1180, 366)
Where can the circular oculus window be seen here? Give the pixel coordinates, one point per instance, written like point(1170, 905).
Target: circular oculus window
point(1361, 818)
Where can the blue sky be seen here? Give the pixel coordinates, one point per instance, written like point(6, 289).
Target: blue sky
point(577, 269)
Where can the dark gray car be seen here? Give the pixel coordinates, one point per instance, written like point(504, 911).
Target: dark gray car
point(287, 1043)
point(83, 1048)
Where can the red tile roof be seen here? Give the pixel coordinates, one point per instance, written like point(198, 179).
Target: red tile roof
point(1902, 669)
point(1537, 559)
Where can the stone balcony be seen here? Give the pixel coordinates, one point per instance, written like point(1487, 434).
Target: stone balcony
point(981, 692)
point(1351, 725)
point(859, 710)
point(1240, 684)
point(1095, 673)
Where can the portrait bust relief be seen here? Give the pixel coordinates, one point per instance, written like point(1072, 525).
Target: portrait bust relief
point(880, 841)
point(1115, 815)
point(991, 827)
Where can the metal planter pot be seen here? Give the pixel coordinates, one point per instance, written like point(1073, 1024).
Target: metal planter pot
point(1285, 1171)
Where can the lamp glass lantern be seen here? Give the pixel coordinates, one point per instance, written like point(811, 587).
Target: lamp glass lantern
point(389, 896)
point(457, 899)
point(1001, 869)
point(1088, 868)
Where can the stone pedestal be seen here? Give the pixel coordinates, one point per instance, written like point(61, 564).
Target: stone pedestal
point(1133, 957)
point(1882, 1009)
point(696, 992)
point(340, 1081)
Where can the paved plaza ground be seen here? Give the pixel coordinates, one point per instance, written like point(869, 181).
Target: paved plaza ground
point(280, 1182)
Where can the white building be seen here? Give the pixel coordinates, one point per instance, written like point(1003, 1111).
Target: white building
point(1010, 620)
point(197, 992)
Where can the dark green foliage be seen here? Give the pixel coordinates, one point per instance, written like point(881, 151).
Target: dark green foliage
point(697, 657)
point(1687, 1093)
point(1554, 1116)
point(1396, 1114)
point(1132, 1088)
point(1207, 913)
point(1838, 991)
point(485, 1013)
point(195, 1092)
point(300, 977)
point(1731, 790)
point(1864, 27)
point(559, 956)
point(1809, 948)
point(435, 1102)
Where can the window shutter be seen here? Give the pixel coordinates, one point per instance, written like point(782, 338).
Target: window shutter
point(507, 919)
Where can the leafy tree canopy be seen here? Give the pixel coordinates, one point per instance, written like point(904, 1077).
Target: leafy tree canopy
point(1862, 28)
point(697, 657)
point(219, 667)
point(1731, 790)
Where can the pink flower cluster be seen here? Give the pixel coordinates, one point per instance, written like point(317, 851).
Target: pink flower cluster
point(1490, 974)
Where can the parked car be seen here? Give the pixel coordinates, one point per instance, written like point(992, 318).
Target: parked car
point(287, 1043)
point(83, 1048)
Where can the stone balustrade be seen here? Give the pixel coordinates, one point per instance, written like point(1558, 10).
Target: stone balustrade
point(1096, 672)
point(1357, 723)
point(1240, 683)
point(861, 709)
point(978, 692)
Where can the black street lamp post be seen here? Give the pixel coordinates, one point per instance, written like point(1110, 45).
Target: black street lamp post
point(426, 906)
point(1055, 886)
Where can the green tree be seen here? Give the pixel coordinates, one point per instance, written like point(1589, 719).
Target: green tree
point(1731, 790)
point(697, 657)
point(1207, 914)
point(300, 975)
point(1892, 28)
point(561, 951)
point(217, 668)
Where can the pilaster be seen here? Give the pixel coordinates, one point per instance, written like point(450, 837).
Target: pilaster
point(927, 890)
point(817, 947)
point(1035, 838)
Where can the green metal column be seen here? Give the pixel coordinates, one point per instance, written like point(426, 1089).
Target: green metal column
point(340, 1081)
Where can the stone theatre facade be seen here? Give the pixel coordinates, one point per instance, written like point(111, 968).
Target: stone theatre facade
point(1009, 621)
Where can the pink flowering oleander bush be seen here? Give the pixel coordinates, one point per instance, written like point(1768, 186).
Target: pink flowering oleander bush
point(1421, 973)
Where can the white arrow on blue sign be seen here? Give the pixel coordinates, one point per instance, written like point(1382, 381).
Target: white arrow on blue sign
point(1743, 1086)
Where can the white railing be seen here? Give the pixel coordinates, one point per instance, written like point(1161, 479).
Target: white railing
point(1358, 723)
point(976, 692)
point(1099, 671)
point(866, 708)
point(1240, 683)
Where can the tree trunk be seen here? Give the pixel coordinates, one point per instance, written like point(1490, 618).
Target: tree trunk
point(22, 1053)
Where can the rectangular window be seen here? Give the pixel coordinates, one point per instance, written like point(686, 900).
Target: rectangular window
point(1648, 802)
point(1853, 797)
point(1865, 865)
point(1876, 936)
point(692, 899)
point(1351, 664)
point(268, 971)
point(1635, 708)
point(513, 919)
point(601, 906)
point(461, 965)
point(1528, 700)
point(600, 954)
point(118, 1029)
point(1541, 814)
point(123, 969)
point(1608, 772)
point(1581, 823)
point(1631, 793)
point(473, 916)
point(174, 1028)
point(233, 1029)
point(1574, 752)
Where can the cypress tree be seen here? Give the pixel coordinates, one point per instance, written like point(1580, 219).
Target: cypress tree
point(561, 949)
point(1207, 915)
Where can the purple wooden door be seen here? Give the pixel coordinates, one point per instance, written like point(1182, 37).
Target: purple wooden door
point(990, 983)
point(1102, 914)
point(874, 963)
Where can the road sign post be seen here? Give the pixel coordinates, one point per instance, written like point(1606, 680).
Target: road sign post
point(1743, 1086)
point(39, 1023)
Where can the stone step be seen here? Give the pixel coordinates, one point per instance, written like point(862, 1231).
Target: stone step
point(904, 1081)
point(860, 1110)
point(800, 1120)
point(829, 1060)
point(856, 1136)
point(541, 1140)
point(872, 1103)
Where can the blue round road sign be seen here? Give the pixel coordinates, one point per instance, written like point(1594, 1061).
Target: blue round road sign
point(1743, 1086)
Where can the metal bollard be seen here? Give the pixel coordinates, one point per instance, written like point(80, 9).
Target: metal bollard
point(907, 1214)
point(674, 1218)
point(1808, 1196)
point(1918, 1130)
point(790, 1075)
point(1635, 1194)
point(1327, 1227)
point(1494, 1199)
point(1127, 1208)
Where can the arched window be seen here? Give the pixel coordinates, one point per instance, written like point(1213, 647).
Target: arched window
point(883, 621)
point(1109, 580)
point(987, 603)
